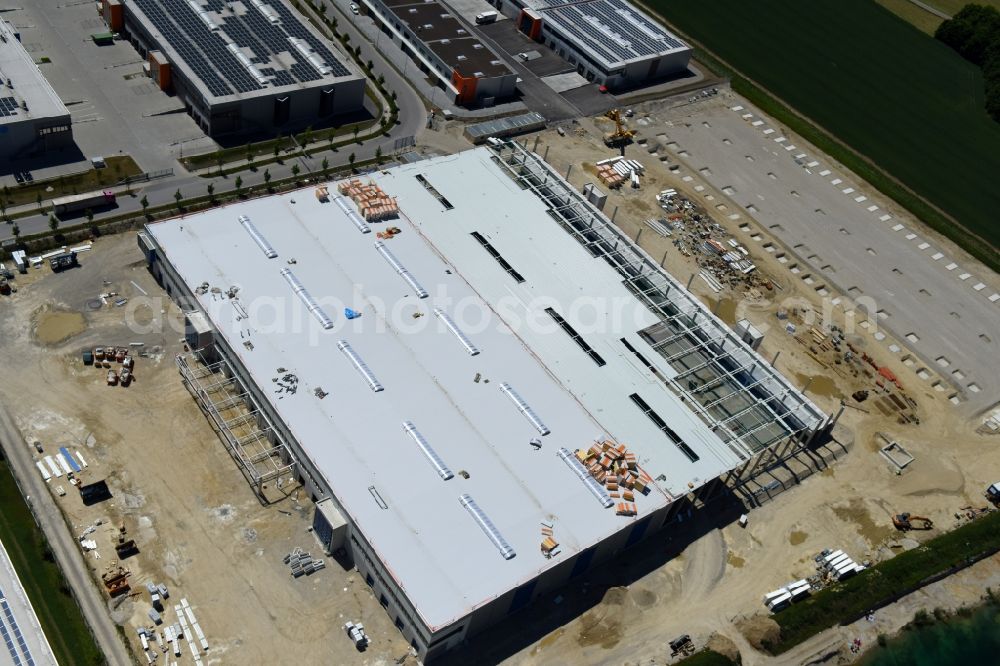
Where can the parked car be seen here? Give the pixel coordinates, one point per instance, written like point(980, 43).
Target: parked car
point(355, 9)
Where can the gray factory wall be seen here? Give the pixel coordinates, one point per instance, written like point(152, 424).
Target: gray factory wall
point(21, 138)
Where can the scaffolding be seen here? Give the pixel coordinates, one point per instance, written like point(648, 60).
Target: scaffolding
point(751, 407)
point(245, 430)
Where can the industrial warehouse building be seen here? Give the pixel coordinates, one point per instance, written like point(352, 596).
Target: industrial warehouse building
point(611, 42)
point(33, 119)
point(469, 72)
point(486, 394)
point(250, 66)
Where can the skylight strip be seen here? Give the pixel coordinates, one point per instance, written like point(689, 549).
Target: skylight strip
point(257, 237)
point(453, 327)
point(487, 526)
point(309, 301)
point(352, 215)
point(361, 366)
point(399, 268)
point(523, 407)
point(425, 446)
point(592, 485)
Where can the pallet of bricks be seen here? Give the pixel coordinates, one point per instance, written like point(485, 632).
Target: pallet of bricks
point(610, 177)
point(616, 468)
point(374, 204)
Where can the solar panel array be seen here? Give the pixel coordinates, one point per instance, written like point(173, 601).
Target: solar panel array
point(8, 620)
point(613, 29)
point(206, 51)
point(8, 107)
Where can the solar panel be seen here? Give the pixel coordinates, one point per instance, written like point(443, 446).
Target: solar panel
point(614, 29)
point(208, 52)
point(8, 107)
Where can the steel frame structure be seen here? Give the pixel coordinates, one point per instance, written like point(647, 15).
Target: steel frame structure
point(261, 452)
point(754, 410)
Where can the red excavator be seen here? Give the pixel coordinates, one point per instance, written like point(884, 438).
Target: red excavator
point(905, 522)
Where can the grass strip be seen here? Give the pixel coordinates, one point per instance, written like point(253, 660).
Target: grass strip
point(888, 581)
point(50, 595)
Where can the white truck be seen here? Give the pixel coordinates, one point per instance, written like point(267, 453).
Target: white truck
point(486, 17)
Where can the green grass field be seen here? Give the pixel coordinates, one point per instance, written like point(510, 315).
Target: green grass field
point(42, 579)
point(875, 82)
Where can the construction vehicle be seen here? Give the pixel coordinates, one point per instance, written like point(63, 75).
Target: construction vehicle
point(622, 136)
point(905, 522)
point(993, 494)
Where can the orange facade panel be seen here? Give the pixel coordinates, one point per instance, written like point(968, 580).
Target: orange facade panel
point(114, 14)
point(466, 86)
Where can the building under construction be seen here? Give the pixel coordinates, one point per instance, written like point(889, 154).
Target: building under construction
point(486, 403)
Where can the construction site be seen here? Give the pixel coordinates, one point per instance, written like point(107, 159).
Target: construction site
point(185, 476)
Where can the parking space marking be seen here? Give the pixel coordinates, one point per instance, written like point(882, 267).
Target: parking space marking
point(898, 227)
point(825, 172)
point(937, 256)
point(861, 198)
point(872, 208)
point(847, 190)
point(836, 181)
point(979, 286)
point(951, 267)
point(923, 246)
point(885, 218)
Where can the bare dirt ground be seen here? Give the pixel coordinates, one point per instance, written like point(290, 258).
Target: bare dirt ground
point(848, 505)
point(199, 528)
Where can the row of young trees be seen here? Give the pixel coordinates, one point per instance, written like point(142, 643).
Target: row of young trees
point(974, 32)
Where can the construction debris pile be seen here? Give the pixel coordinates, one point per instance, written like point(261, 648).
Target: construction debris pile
point(374, 204)
point(302, 563)
point(286, 383)
point(616, 170)
point(723, 261)
point(617, 469)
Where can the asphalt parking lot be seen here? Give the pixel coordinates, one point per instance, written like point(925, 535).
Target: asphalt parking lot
point(115, 108)
point(941, 307)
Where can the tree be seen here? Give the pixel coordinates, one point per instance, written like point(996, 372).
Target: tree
point(53, 222)
point(369, 65)
point(16, 231)
point(350, 159)
point(178, 196)
point(239, 185)
point(326, 166)
point(90, 215)
point(322, 10)
point(277, 147)
point(267, 178)
point(38, 200)
point(219, 161)
point(3, 208)
point(381, 80)
point(378, 155)
point(307, 136)
point(144, 202)
point(357, 128)
point(211, 191)
point(295, 170)
point(333, 23)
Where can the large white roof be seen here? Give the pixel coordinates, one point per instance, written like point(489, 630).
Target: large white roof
point(355, 436)
point(22, 81)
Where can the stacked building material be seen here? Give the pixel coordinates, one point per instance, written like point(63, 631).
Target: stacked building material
point(302, 563)
point(373, 203)
point(609, 176)
point(550, 547)
point(614, 466)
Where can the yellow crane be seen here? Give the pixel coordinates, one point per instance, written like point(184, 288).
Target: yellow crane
point(622, 136)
